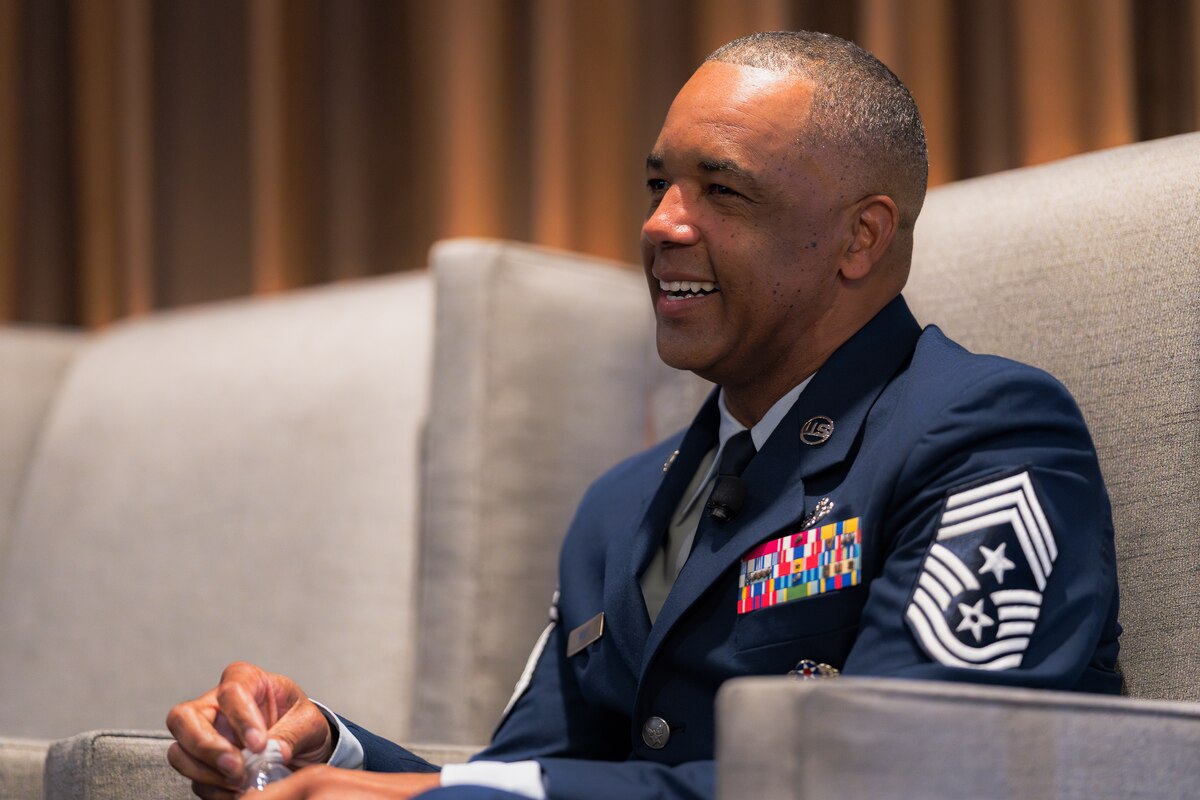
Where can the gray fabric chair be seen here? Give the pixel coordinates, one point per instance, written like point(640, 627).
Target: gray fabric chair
point(156, 475)
point(292, 431)
point(183, 459)
point(1090, 268)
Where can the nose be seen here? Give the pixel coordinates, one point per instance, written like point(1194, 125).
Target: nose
point(671, 222)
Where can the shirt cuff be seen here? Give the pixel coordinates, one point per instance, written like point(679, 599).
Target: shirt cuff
point(348, 753)
point(519, 777)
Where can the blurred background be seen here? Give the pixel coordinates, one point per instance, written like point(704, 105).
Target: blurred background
point(157, 153)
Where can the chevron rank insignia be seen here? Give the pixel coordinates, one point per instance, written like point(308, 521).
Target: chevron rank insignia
point(800, 565)
point(980, 588)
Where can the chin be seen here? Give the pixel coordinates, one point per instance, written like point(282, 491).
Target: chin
point(683, 356)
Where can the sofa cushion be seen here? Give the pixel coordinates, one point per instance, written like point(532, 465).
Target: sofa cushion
point(231, 482)
point(1088, 268)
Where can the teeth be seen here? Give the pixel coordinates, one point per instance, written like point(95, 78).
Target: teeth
point(692, 287)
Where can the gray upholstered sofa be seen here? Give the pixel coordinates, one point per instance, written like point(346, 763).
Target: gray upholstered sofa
point(1090, 268)
point(347, 487)
point(264, 480)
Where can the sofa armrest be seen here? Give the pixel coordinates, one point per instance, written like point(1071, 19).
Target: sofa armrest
point(113, 765)
point(863, 737)
point(441, 754)
point(118, 765)
point(21, 762)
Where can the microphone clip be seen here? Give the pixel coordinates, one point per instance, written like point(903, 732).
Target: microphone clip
point(727, 498)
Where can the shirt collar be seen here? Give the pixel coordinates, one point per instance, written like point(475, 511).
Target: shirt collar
point(759, 433)
point(765, 427)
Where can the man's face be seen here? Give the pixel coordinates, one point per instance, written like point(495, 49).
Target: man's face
point(739, 207)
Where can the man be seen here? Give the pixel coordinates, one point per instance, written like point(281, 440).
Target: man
point(859, 496)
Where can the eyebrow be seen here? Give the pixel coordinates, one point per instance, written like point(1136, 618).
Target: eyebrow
point(722, 166)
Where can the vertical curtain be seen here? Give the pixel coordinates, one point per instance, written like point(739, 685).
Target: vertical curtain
point(155, 153)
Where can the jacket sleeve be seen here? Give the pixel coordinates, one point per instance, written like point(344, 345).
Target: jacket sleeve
point(1000, 566)
point(383, 755)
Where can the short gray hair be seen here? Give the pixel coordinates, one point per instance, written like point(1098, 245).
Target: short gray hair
point(859, 106)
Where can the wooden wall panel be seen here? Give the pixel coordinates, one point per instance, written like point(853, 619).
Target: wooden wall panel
point(202, 163)
point(915, 39)
point(10, 157)
point(346, 118)
point(95, 134)
point(135, 142)
point(164, 152)
point(986, 102)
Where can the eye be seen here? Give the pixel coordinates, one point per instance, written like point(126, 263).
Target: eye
point(656, 185)
point(723, 191)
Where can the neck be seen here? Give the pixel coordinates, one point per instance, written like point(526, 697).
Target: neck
point(750, 397)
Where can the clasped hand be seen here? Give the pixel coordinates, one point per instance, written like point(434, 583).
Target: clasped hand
point(250, 706)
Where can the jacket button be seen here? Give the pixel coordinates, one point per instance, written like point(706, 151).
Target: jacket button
point(656, 733)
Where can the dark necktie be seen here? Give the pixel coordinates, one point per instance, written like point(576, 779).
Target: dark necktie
point(730, 492)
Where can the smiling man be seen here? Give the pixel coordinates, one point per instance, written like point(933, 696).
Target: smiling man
point(858, 496)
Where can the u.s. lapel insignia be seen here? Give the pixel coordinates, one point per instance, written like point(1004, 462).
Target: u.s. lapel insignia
point(819, 512)
point(980, 589)
point(816, 431)
point(585, 634)
point(670, 460)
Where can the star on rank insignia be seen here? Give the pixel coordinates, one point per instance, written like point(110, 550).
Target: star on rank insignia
point(979, 592)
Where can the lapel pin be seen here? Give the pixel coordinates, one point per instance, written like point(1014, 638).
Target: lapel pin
point(816, 431)
point(820, 511)
point(670, 460)
point(809, 670)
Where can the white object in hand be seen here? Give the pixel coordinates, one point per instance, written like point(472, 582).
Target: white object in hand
point(263, 768)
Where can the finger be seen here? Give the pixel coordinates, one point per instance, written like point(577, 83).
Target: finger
point(205, 792)
point(192, 726)
point(242, 688)
point(279, 790)
point(298, 786)
point(202, 773)
point(304, 735)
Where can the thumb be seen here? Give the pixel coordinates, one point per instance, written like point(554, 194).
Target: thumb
point(303, 734)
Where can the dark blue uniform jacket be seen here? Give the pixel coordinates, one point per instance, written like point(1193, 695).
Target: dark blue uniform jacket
point(976, 545)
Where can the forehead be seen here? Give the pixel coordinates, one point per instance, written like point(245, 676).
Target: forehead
point(737, 111)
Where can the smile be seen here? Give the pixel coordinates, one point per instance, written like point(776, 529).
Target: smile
point(678, 290)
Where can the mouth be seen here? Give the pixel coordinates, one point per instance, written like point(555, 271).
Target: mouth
point(683, 290)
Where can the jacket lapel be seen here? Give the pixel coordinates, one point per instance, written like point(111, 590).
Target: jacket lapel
point(844, 389)
point(629, 556)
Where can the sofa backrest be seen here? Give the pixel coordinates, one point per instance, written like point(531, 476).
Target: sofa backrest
point(32, 362)
point(232, 482)
point(1090, 269)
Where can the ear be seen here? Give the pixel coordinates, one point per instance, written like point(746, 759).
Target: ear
point(873, 226)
